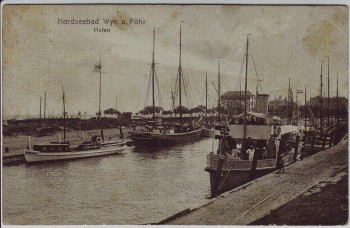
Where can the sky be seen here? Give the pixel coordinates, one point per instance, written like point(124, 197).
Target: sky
point(39, 54)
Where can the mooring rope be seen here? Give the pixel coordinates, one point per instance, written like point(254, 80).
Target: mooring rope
point(226, 176)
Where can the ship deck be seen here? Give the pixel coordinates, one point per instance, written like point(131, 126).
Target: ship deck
point(257, 198)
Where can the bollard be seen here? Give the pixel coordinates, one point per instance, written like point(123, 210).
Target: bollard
point(217, 176)
point(7, 150)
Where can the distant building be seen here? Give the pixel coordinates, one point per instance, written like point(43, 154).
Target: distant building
point(233, 101)
point(315, 104)
point(278, 107)
point(262, 103)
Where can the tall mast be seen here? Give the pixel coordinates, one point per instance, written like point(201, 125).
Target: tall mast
point(240, 96)
point(99, 103)
point(245, 97)
point(288, 104)
point(64, 116)
point(337, 100)
point(153, 66)
point(305, 111)
point(40, 107)
point(98, 68)
point(206, 96)
point(219, 92)
point(328, 96)
point(180, 79)
point(321, 114)
point(45, 106)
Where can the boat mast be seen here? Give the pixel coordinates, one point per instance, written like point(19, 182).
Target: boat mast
point(40, 106)
point(219, 92)
point(99, 103)
point(98, 68)
point(206, 96)
point(240, 97)
point(337, 101)
point(153, 66)
point(328, 96)
point(64, 116)
point(245, 97)
point(321, 114)
point(180, 74)
point(45, 106)
point(305, 111)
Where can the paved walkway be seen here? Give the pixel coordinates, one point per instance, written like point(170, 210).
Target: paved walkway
point(256, 199)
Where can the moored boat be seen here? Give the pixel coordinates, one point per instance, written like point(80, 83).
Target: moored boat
point(229, 170)
point(56, 151)
point(207, 132)
point(252, 149)
point(157, 133)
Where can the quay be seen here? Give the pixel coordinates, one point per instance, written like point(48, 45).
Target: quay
point(258, 198)
point(13, 158)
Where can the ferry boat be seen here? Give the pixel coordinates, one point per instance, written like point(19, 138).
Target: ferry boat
point(229, 170)
point(56, 151)
point(250, 146)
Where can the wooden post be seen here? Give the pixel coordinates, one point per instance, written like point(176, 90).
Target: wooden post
point(296, 148)
point(324, 139)
point(331, 140)
point(121, 132)
point(254, 163)
point(217, 176)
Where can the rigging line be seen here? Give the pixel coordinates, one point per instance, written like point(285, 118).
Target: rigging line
point(185, 85)
point(158, 88)
point(176, 84)
point(188, 91)
point(186, 81)
point(242, 67)
point(256, 72)
point(148, 88)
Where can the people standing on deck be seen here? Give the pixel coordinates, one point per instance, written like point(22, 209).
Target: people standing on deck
point(239, 150)
point(251, 152)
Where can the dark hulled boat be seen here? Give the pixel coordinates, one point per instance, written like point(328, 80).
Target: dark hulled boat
point(159, 134)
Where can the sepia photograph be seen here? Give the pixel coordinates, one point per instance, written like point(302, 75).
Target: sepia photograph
point(174, 113)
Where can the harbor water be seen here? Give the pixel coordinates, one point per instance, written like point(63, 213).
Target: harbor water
point(139, 186)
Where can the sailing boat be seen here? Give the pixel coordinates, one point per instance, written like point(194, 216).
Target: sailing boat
point(232, 166)
point(162, 134)
point(55, 151)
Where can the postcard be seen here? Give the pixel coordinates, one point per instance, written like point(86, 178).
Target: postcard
point(187, 114)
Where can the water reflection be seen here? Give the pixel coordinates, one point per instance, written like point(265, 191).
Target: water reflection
point(142, 185)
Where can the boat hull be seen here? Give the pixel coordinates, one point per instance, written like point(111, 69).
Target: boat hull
point(237, 172)
point(207, 133)
point(33, 156)
point(147, 138)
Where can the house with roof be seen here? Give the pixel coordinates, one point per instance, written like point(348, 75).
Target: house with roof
point(233, 101)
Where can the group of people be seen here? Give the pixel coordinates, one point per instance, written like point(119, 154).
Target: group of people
point(235, 149)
